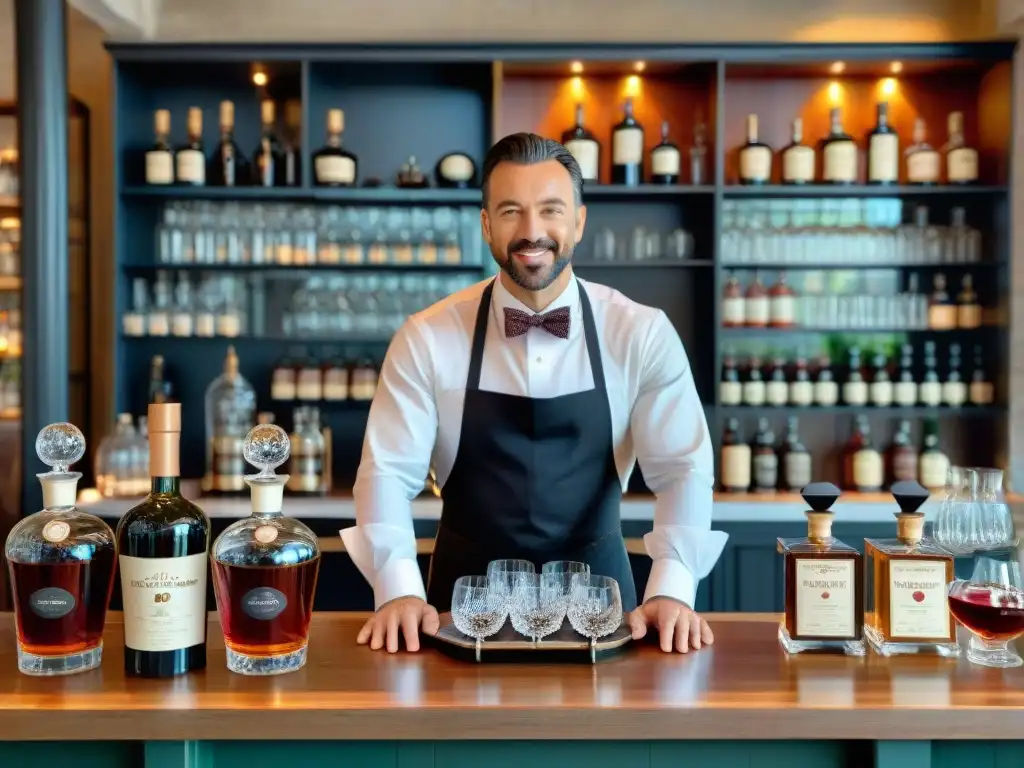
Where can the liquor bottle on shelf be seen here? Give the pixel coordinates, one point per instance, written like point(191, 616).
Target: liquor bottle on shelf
point(754, 390)
point(158, 321)
point(333, 165)
point(954, 388)
point(265, 570)
point(883, 150)
point(410, 176)
point(930, 389)
point(968, 310)
point(855, 389)
point(961, 160)
point(902, 455)
point(309, 381)
point(755, 305)
point(163, 545)
point(905, 391)
point(628, 149)
point(798, 159)
point(190, 159)
point(863, 468)
point(838, 153)
point(755, 157)
point(61, 564)
point(782, 304)
point(982, 391)
point(230, 414)
point(283, 381)
point(735, 459)
point(733, 307)
point(228, 167)
point(923, 161)
point(826, 390)
point(907, 611)
point(456, 170)
point(801, 390)
point(268, 160)
point(963, 243)
point(698, 153)
point(310, 456)
point(160, 157)
point(942, 313)
point(730, 390)
point(363, 381)
point(933, 467)
point(765, 460)
point(796, 460)
point(665, 160)
point(777, 388)
point(881, 385)
point(336, 381)
point(824, 605)
point(291, 151)
point(584, 146)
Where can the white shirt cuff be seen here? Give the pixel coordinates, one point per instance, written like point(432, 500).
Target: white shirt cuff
point(670, 578)
point(398, 578)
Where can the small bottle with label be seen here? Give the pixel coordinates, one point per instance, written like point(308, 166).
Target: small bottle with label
point(181, 320)
point(160, 157)
point(190, 159)
point(855, 389)
point(777, 388)
point(283, 386)
point(733, 304)
point(934, 464)
point(942, 312)
point(336, 384)
point(363, 381)
point(863, 468)
point(798, 159)
point(309, 382)
point(665, 160)
point(333, 165)
point(905, 391)
point(922, 159)
point(730, 389)
point(766, 461)
point(902, 455)
point(735, 459)
point(796, 460)
point(838, 153)
point(982, 392)
point(930, 388)
point(826, 390)
point(754, 389)
point(954, 388)
point(801, 390)
point(755, 157)
point(307, 476)
point(584, 146)
point(909, 575)
point(158, 322)
point(781, 304)
point(961, 160)
point(824, 583)
point(628, 148)
point(883, 150)
point(133, 322)
point(755, 306)
point(968, 310)
point(881, 384)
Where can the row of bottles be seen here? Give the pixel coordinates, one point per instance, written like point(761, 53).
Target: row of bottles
point(886, 382)
point(763, 467)
point(836, 160)
point(216, 306)
point(301, 377)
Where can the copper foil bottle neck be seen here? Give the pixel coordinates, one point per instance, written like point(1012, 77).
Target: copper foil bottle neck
point(164, 439)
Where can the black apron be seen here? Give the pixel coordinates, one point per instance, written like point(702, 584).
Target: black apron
point(532, 479)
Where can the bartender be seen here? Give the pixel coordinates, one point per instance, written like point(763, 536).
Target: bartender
point(531, 395)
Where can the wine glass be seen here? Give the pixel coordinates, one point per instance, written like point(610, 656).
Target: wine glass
point(991, 605)
point(478, 609)
point(565, 570)
point(537, 608)
point(504, 574)
point(595, 608)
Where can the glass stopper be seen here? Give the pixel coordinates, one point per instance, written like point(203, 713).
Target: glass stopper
point(266, 447)
point(60, 445)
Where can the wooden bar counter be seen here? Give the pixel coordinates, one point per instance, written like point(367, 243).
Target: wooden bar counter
point(740, 702)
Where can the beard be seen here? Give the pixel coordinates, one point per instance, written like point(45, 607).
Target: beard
point(534, 277)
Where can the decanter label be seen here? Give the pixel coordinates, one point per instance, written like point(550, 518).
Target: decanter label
point(264, 603)
point(587, 154)
point(56, 531)
point(825, 596)
point(917, 599)
point(265, 534)
point(164, 601)
point(51, 603)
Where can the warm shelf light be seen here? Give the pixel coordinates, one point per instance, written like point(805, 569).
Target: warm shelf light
point(259, 79)
point(640, 66)
point(576, 85)
point(835, 93)
point(837, 67)
point(632, 86)
point(896, 67)
point(576, 67)
point(889, 86)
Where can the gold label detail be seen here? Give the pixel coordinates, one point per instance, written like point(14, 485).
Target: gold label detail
point(265, 534)
point(56, 531)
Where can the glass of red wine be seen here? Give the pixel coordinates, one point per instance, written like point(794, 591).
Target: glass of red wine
point(991, 605)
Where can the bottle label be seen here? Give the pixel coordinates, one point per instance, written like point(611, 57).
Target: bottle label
point(732, 311)
point(783, 310)
point(982, 392)
point(206, 324)
point(905, 393)
point(918, 605)
point(840, 162)
point(159, 167)
point(264, 603)
point(51, 603)
point(133, 324)
point(665, 161)
point(826, 392)
point(855, 393)
point(756, 309)
point(825, 598)
point(310, 386)
point(777, 393)
point(881, 393)
point(56, 531)
point(954, 393)
point(736, 466)
point(191, 166)
point(801, 393)
point(164, 601)
point(282, 388)
point(968, 316)
point(797, 467)
point(766, 470)
point(867, 468)
point(962, 165)
point(628, 146)
point(456, 168)
point(884, 153)
point(228, 325)
point(159, 324)
point(753, 392)
point(923, 167)
point(587, 154)
point(336, 386)
point(934, 469)
point(181, 325)
point(942, 317)
point(931, 393)
point(756, 163)
point(798, 165)
point(332, 169)
point(730, 393)
point(904, 465)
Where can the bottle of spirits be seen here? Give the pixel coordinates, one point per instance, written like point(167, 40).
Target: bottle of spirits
point(335, 381)
point(902, 455)
point(665, 160)
point(908, 610)
point(265, 570)
point(333, 165)
point(309, 381)
point(190, 159)
point(268, 160)
point(982, 391)
point(457, 170)
point(961, 160)
point(826, 390)
point(765, 460)
point(364, 381)
point(883, 150)
point(798, 159)
point(755, 157)
point(838, 153)
point(777, 388)
point(410, 176)
point(307, 476)
point(61, 564)
point(698, 153)
point(968, 310)
point(930, 389)
point(160, 158)
point(754, 389)
point(733, 306)
point(942, 313)
point(291, 150)
point(954, 388)
point(182, 324)
point(756, 308)
point(730, 390)
point(963, 243)
point(801, 390)
point(230, 414)
point(228, 167)
point(824, 582)
point(863, 468)
point(163, 546)
point(905, 391)
point(923, 161)
point(855, 389)
point(283, 381)
point(628, 149)
point(735, 460)
point(781, 304)
point(584, 146)
point(934, 464)
point(796, 460)
point(881, 385)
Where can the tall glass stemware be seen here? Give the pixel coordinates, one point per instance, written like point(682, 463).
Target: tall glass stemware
point(565, 570)
point(478, 609)
point(505, 573)
point(991, 606)
point(595, 608)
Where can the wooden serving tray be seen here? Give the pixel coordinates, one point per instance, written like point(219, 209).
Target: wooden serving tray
point(508, 646)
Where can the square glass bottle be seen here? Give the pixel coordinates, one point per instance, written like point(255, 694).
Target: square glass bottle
point(906, 581)
point(824, 581)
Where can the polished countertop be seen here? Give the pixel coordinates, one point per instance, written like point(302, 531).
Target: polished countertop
point(742, 687)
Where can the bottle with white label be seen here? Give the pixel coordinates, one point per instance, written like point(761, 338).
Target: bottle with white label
point(765, 460)
point(628, 148)
point(934, 467)
point(754, 390)
point(930, 388)
point(796, 459)
point(883, 150)
point(133, 322)
point(283, 386)
point(755, 157)
point(756, 307)
point(733, 304)
point(163, 546)
point(333, 165)
point(905, 390)
point(982, 392)
point(190, 159)
point(584, 146)
point(922, 159)
point(881, 385)
point(730, 389)
point(863, 467)
point(777, 388)
point(942, 312)
point(954, 388)
point(968, 310)
point(838, 153)
point(735, 460)
point(336, 386)
point(160, 157)
point(665, 160)
point(181, 321)
point(309, 382)
point(961, 160)
point(801, 389)
point(902, 455)
point(782, 304)
point(826, 390)
point(158, 322)
point(798, 159)
point(855, 389)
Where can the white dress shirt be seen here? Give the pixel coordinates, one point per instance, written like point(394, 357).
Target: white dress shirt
point(416, 418)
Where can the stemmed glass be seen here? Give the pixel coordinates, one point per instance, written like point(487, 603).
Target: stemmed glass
point(478, 609)
point(565, 570)
point(595, 608)
point(537, 608)
point(991, 606)
point(505, 573)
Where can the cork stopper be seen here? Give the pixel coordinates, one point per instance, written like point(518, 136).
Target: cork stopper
point(819, 525)
point(195, 121)
point(910, 527)
point(955, 123)
point(335, 121)
point(751, 127)
point(162, 122)
point(267, 112)
point(227, 115)
point(910, 495)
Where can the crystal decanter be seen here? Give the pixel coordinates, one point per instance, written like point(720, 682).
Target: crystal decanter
point(61, 562)
point(265, 569)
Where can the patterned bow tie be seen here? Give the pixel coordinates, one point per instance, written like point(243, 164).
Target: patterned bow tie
point(555, 322)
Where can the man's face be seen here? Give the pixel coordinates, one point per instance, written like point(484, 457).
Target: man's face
point(531, 222)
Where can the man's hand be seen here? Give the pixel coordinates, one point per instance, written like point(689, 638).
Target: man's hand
point(679, 626)
point(405, 614)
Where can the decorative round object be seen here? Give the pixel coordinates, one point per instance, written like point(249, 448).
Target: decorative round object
point(266, 447)
point(60, 445)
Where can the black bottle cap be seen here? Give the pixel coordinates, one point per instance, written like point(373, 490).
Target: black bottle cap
point(821, 496)
point(910, 495)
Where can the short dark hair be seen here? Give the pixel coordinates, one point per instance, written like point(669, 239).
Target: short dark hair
point(527, 149)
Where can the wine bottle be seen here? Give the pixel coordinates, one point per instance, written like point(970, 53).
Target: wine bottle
point(665, 160)
point(584, 146)
point(163, 544)
point(628, 149)
point(798, 158)
point(883, 150)
point(160, 157)
point(838, 153)
point(189, 160)
point(228, 166)
point(333, 165)
point(755, 157)
point(268, 160)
